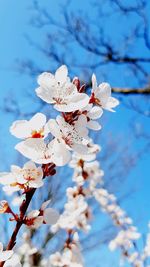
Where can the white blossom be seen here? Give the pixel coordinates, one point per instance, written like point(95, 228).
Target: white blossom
point(34, 128)
point(36, 218)
point(101, 95)
point(59, 90)
point(69, 258)
point(42, 153)
point(75, 215)
point(92, 113)
point(74, 137)
point(21, 178)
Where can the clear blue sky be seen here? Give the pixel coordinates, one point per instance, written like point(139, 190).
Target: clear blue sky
point(14, 24)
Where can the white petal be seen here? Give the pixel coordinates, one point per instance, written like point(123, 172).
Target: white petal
point(76, 102)
point(20, 129)
point(95, 113)
point(94, 82)
point(36, 183)
point(35, 150)
point(1, 246)
point(54, 128)
point(15, 169)
point(5, 255)
point(103, 92)
point(45, 94)
point(37, 222)
point(61, 154)
point(7, 178)
point(33, 214)
point(14, 261)
point(94, 125)
point(51, 216)
point(81, 149)
point(29, 165)
point(61, 74)
point(38, 121)
point(111, 103)
point(46, 80)
point(10, 189)
point(45, 204)
point(82, 121)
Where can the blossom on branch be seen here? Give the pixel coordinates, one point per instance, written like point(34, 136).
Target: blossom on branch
point(43, 153)
point(101, 95)
point(71, 137)
point(45, 215)
point(34, 128)
point(24, 178)
point(59, 90)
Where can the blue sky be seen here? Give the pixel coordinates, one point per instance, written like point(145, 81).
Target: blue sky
point(14, 25)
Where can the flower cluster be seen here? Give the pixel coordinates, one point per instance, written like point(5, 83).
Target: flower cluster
point(50, 142)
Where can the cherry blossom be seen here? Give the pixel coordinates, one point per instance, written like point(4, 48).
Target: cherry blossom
point(101, 95)
point(92, 113)
point(71, 254)
point(58, 90)
point(22, 178)
point(64, 259)
point(36, 218)
point(61, 140)
point(75, 214)
point(42, 153)
point(72, 137)
point(34, 128)
point(78, 158)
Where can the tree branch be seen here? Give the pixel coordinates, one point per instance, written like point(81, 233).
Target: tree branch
point(127, 91)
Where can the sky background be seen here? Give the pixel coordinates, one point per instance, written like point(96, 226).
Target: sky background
point(15, 17)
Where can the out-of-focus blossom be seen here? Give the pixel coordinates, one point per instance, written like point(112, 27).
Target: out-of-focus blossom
point(36, 218)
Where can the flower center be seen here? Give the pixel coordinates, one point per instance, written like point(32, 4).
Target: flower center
point(36, 134)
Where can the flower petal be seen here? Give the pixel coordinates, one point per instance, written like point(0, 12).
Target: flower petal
point(45, 204)
point(94, 82)
point(61, 74)
point(38, 121)
point(75, 102)
point(5, 255)
point(94, 125)
point(61, 155)
point(14, 261)
point(51, 216)
point(111, 103)
point(20, 129)
point(54, 128)
point(33, 214)
point(103, 92)
point(95, 113)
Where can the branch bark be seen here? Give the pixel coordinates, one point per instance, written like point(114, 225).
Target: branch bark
point(127, 91)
